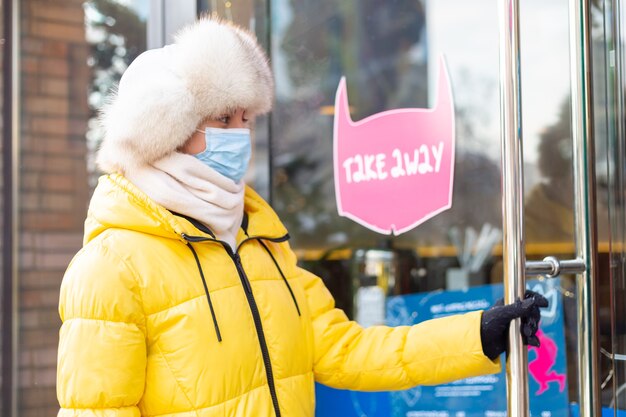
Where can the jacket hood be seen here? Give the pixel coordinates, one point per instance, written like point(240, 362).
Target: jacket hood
point(212, 68)
point(118, 204)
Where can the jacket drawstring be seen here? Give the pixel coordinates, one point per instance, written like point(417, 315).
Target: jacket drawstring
point(293, 297)
point(206, 290)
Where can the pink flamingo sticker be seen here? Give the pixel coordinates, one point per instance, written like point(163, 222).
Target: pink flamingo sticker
point(394, 170)
point(540, 368)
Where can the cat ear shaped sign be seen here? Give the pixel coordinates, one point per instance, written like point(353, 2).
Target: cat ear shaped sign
point(394, 170)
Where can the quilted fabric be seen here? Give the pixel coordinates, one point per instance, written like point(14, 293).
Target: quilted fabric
point(140, 338)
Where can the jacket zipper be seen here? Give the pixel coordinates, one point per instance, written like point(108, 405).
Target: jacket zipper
point(254, 309)
point(259, 329)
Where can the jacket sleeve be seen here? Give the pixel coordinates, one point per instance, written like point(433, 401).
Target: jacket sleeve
point(102, 348)
point(377, 358)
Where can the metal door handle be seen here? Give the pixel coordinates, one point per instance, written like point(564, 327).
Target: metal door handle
point(552, 267)
point(513, 256)
point(584, 205)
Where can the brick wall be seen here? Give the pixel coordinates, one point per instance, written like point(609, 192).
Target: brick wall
point(53, 186)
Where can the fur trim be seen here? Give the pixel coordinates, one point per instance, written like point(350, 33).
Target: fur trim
point(212, 68)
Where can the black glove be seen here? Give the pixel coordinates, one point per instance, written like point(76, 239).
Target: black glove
point(494, 326)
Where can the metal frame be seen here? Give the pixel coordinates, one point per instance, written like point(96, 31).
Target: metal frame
point(10, 131)
point(513, 251)
point(166, 17)
point(553, 267)
point(154, 26)
point(584, 205)
point(585, 264)
point(618, 152)
point(7, 214)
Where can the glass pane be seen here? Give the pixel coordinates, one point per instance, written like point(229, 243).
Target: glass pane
point(71, 53)
point(385, 59)
point(389, 55)
point(548, 177)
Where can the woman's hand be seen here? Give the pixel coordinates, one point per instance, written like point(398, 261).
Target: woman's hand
point(494, 326)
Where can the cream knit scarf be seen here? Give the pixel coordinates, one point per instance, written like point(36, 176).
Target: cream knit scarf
point(183, 184)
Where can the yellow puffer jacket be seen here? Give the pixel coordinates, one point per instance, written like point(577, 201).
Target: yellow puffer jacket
point(159, 319)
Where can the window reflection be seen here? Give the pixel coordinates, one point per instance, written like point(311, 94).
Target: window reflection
point(549, 204)
point(116, 33)
point(389, 62)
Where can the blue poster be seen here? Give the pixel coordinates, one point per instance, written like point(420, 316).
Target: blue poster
point(483, 396)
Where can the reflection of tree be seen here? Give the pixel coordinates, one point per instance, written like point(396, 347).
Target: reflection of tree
point(474, 94)
point(549, 205)
point(393, 73)
point(117, 35)
point(377, 48)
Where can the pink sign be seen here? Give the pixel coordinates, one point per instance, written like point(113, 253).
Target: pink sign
point(394, 170)
point(541, 367)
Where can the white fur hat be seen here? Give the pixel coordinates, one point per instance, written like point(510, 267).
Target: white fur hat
point(213, 67)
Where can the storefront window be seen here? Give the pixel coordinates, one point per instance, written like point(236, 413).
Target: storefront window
point(116, 34)
point(389, 56)
point(390, 60)
point(71, 54)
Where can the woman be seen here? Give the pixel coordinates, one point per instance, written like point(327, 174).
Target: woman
point(186, 298)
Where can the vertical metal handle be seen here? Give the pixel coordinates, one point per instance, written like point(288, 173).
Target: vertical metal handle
point(513, 255)
point(584, 197)
point(584, 208)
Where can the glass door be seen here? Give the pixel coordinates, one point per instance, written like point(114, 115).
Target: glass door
point(389, 55)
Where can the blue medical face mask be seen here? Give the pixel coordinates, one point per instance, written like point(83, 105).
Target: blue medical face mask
point(227, 151)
